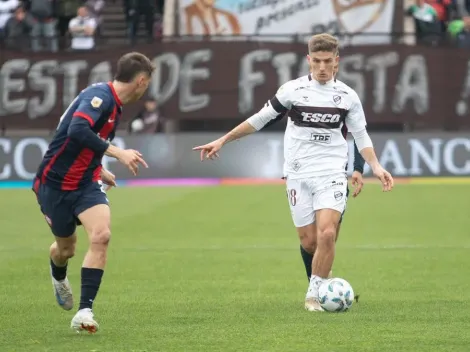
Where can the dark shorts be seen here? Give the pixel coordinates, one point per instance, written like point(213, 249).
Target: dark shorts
point(61, 208)
point(342, 215)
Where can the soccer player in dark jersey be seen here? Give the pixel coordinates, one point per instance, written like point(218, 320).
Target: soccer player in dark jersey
point(69, 180)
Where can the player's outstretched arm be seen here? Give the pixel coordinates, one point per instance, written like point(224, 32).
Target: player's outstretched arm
point(364, 144)
point(273, 110)
point(211, 150)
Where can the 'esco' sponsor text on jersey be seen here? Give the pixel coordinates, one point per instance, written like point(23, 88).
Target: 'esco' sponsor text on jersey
point(314, 144)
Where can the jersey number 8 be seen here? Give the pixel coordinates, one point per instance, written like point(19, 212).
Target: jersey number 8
point(292, 195)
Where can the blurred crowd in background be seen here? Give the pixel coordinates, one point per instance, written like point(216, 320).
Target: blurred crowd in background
point(441, 21)
point(82, 24)
point(54, 25)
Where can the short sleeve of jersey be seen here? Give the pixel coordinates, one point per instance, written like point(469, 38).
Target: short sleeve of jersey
point(355, 119)
point(282, 101)
point(94, 103)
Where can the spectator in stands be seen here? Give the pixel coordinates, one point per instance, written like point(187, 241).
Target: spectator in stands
point(442, 11)
point(43, 13)
point(134, 10)
point(17, 30)
point(149, 120)
point(460, 32)
point(7, 7)
point(95, 10)
point(67, 9)
point(427, 26)
point(82, 28)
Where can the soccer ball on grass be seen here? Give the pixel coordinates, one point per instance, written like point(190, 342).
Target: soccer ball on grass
point(336, 295)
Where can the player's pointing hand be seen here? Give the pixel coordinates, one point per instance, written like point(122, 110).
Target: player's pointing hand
point(210, 150)
point(131, 159)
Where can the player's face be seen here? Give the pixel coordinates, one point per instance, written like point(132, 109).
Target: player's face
point(141, 83)
point(323, 65)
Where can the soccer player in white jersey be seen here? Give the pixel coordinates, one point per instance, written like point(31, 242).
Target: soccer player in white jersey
point(315, 152)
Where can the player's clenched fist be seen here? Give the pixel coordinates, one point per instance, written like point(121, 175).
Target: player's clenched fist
point(210, 150)
point(131, 159)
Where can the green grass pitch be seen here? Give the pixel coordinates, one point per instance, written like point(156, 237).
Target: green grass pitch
point(219, 269)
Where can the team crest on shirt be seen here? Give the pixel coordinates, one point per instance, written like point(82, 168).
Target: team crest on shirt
point(337, 99)
point(296, 165)
point(96, 102)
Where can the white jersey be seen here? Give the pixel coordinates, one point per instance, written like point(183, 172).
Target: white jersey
point(314, 144)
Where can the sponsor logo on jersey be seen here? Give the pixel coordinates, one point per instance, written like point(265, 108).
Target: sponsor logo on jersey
point(321, 138)
point(319, 117)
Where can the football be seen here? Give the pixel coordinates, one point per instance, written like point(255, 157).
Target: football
point(336, 295)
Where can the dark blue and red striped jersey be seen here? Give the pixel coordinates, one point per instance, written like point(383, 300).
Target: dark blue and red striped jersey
point(73, 159)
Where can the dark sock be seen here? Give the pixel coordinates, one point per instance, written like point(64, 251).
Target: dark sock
point(91, 280)
point(307, 258)
point(58, 272)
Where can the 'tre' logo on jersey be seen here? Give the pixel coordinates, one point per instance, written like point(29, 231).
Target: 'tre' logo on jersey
point(324, 138)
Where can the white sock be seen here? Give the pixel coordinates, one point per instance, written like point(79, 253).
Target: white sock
point(314, 285)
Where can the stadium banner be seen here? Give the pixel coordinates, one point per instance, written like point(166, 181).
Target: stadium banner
point(256, 156)
point(288, 17)
point(213, 80)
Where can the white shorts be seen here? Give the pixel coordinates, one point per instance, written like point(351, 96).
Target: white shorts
point(308, 195)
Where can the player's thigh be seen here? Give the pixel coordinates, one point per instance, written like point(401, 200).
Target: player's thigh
point(57, 208)
point(330, 203)
point(300, 198)
point(92, 210)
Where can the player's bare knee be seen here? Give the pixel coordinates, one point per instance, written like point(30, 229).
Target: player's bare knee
point(100, 237)
point(326, 236)
point(63, 248)
point(68, 251)
point(308, 244)
point(307, 238)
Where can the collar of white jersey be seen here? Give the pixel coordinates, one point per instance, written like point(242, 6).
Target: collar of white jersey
point(330, 82)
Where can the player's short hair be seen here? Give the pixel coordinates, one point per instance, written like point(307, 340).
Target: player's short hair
point(323, 42)
point(131, 64)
